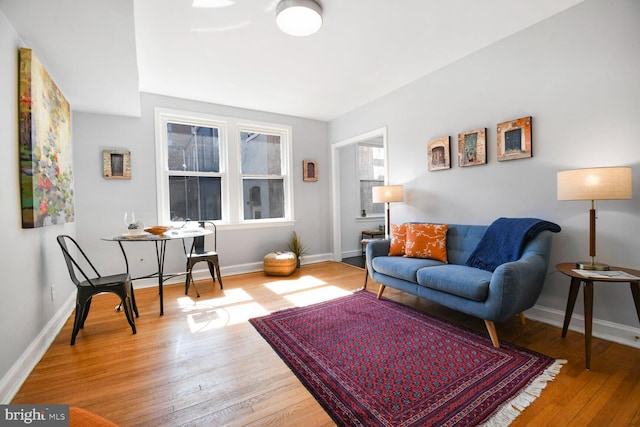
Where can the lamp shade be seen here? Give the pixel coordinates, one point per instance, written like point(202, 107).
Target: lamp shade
point(607, 183)
point(388, 193)
point(299, 17)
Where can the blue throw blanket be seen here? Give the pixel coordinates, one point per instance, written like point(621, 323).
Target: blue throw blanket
point(504, 240)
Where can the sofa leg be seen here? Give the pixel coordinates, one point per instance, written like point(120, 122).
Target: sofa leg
point(381, 290)
point(522, 319)
point(491, 327)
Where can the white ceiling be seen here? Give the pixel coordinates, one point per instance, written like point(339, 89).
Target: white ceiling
point(102, 53)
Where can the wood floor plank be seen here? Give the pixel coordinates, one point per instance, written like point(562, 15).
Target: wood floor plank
point(202, 363)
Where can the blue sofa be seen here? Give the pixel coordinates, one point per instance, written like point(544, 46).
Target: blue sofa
point(490, 295)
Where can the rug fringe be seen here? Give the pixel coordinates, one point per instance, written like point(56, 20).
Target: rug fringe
point(513, 408)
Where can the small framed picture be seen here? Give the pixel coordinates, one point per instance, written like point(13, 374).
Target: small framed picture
point(472, 147)
point(310, 170)
point(514, 139)
point(438, 153)
point(116, 164)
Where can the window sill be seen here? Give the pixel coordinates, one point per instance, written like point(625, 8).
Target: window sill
point(370, 218)
point(256, 224)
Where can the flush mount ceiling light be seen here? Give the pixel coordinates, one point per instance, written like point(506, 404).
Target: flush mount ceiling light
point(299, 17)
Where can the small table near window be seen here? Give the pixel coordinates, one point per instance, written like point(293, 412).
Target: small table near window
point(369, 235)
point(627, 276)
point(161, 245)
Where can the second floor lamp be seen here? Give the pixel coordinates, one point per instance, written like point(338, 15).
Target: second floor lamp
point(388, 194)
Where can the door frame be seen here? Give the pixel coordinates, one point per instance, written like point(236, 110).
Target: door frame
point(335, 180)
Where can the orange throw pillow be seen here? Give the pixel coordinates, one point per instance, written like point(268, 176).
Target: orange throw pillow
point(398, 237)
point(427, 241)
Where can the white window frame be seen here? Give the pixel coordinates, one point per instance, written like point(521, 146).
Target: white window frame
point(230, 166)
point(284, 132)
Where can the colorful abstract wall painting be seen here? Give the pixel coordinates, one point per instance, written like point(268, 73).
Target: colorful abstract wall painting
point(46, 176)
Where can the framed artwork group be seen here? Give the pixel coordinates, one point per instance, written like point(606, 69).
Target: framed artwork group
point(513, 142)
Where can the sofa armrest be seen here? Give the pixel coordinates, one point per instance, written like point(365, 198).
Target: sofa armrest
point(515, 286)
point(376, 248)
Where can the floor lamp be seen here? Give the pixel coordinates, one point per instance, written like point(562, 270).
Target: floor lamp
point(608, 183)
point(387, 194)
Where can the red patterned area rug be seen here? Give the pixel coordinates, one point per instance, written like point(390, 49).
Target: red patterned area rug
point(376, 362)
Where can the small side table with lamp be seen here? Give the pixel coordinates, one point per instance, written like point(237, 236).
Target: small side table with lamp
point(604, 183)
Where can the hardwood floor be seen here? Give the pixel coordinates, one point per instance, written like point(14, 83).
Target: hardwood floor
point(203, 364)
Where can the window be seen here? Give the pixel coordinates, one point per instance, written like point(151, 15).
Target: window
point(216, 169)
point(262, 178)
point(195, 181)
point(371, 174)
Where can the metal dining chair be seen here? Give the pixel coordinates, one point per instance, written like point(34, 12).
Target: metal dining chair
point(198, 253)
point(93, 283)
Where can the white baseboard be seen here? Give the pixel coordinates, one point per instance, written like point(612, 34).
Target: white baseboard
point(12, 381)
point(614, 332)
point(203, 273)
point(351, 254)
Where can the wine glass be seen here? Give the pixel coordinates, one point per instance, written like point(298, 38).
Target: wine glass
point(129, 219)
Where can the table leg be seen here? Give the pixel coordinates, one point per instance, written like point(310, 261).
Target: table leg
point(571, 302)
point(160, 251)
point(133, 294)
point(588, 320)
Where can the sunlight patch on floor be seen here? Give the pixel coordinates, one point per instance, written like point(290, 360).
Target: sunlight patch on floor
point(231, 296)
point(216, 318)
point(326, 293)
point(286, 286)
point(215, 313)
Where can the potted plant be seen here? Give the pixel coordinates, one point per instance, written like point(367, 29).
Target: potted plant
point(296, 246)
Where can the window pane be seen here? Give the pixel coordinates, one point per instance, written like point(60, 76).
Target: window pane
point(196, 198)
point(193, 148)
point(261, 154)
point(264, 198)
point(366, 198)
point(371, 161)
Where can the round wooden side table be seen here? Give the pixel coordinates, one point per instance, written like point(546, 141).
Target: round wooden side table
point(578, 278)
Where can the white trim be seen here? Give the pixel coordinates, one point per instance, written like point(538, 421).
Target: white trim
point(615, 332)
point(18, 373)
point(285, 133)
point(352, 253)
point(335, 180)
point(230, 165)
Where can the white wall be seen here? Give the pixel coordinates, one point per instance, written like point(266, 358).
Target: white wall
point(30, 260)
point(578, 75)
point(101, 203)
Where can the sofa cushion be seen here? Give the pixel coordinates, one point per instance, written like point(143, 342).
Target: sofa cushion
point(398, 238)
point(402, 268)
point(427, 241)
point(467, 282)
point(462, 241)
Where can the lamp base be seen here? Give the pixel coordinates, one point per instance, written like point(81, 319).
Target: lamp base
point(589, 265)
